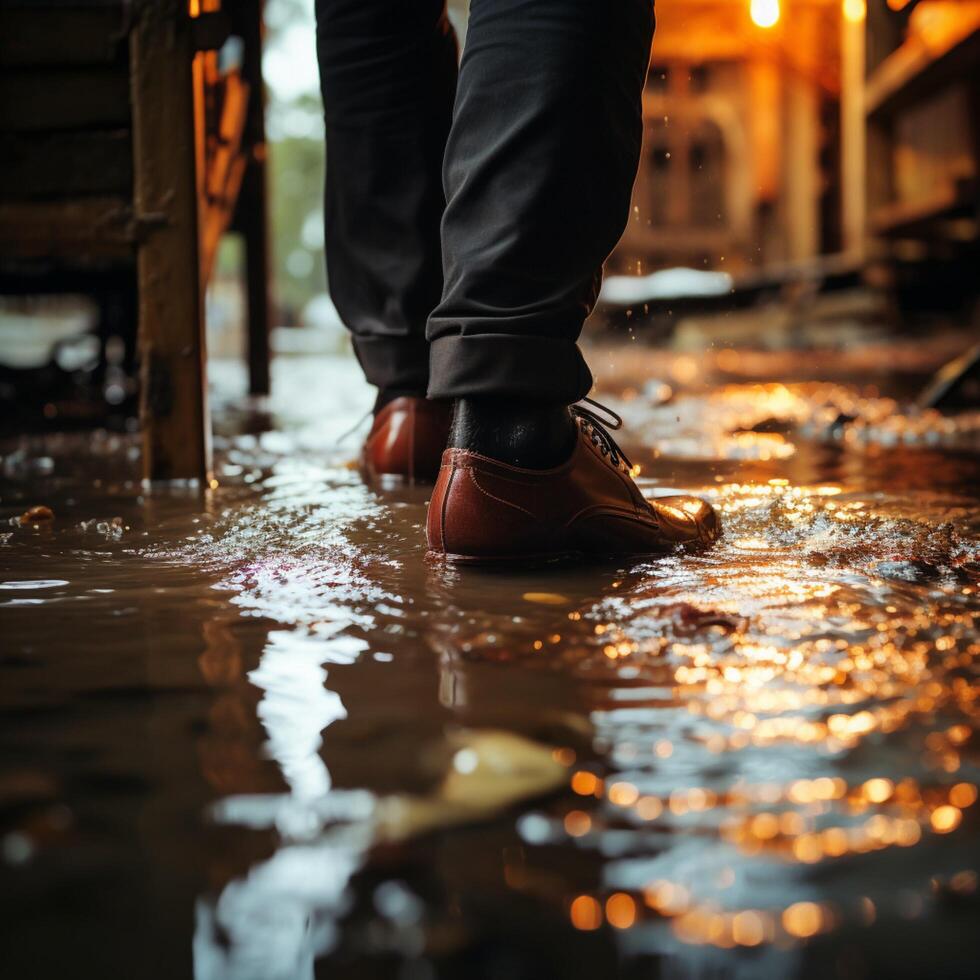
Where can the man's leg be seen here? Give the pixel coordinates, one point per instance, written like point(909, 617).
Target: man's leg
point(388, 77)
point(539, 170)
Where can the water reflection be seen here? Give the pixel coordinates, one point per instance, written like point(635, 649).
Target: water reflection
point(760, 760)
point(276, 920)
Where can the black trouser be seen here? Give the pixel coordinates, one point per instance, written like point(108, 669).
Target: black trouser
point(467, 220)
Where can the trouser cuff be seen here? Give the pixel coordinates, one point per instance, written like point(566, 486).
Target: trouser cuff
point(539, 368)
point(394, 363)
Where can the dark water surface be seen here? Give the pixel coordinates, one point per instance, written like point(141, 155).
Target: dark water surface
point(253, 734)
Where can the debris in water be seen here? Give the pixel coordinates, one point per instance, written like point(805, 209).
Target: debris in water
point(37, 515)
point(546, 598)
point(491, 770)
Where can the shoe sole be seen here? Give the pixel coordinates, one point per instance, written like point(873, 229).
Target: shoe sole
point(506, 561)
point(537, 560)
point(391, 481)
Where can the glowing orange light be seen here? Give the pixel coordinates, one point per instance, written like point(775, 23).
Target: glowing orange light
point(586, 913)
point(584, 783)
point(748, 928)
point(833, 840)
point(878, 790)
point(945, 818)
point(907, 833)
point(666, 897)
point(623, 794)
point(649, 807)
point(764, 13)
point(765, 826)
point(577, 823)
point(803, 919)
point(620, 910)
point(963, 795)
point(854, 10)
point(807, 849)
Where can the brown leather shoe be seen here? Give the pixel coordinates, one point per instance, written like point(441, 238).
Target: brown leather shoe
point(406, 441)
point(484, 512)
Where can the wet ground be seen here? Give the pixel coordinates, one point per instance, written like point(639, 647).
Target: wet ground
point(253, 734)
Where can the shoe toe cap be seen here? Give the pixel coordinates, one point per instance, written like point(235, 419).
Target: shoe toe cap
point(687, 519)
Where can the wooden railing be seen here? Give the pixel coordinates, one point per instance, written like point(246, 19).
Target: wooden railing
point(131, 144)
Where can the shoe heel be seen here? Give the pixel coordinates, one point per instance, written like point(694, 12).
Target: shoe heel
point(468, 524)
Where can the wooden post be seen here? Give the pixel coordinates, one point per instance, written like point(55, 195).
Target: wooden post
point(853, 134)
point(167, 138)
point(800, 153)
point(251, 214)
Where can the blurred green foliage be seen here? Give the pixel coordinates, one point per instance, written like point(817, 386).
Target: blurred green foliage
point(296, 213)
point(294, 123)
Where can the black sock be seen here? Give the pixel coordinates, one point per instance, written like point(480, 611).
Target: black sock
point(386, 395)
point(534, 435)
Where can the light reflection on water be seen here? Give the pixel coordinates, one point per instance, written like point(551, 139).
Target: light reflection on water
point(768, 749)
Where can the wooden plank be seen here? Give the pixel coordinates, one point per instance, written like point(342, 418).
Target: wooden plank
point(218, 216)
point(228, 141)
point(916, 70)
point(40, 99)
point(39, 35)
point(173, 395)
point(51, 165)
point(75, 230)
point(922, 218)
point(225, 165)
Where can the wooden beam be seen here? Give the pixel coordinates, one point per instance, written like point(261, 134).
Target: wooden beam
point(40, 99)
point(924, 218)
point(917, 69)
point(225, 168)
point(853, 137)
point(251, 216)
point(31, 34)
point(66, 164)
point(166, 136)
point(217, 215)
point(79, 230)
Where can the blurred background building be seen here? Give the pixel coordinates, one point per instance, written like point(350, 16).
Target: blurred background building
point(782, 130)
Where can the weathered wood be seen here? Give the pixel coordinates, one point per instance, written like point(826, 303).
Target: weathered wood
point(218, 213)
point(90, 183)
point(166, 145)
point(901, 218)
point(225, 167)
point(228, 141)
point(914, 71)
point(255, 230)
point(77, 230)
point(46, 165)
point(40, 99)
point(251, 216)
point(853, 137)
point(32, 34)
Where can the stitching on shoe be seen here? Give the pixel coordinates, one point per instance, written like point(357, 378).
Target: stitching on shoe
point(512, 474)
point(500, 500)
point(411, 442)
point(611, 510)
point(442, 509)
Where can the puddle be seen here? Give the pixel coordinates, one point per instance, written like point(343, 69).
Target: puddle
point(255, 735)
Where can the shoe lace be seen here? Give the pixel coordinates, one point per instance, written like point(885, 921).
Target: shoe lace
point(344, 436)
point(597, 428)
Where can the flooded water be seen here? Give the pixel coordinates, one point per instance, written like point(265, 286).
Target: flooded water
point(252, 733)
